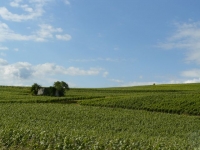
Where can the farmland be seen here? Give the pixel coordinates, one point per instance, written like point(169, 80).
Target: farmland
point(143, 117)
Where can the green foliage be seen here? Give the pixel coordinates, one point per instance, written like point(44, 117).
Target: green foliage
point(34, 89)
point(60, 87)
point(177, 99)
point(51, 91)
point(44, 125)
point(10, 94)
point(169, 103)
point(56, 126)
point(180, 98)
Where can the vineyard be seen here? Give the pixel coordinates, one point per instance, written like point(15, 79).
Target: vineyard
point(142, 117)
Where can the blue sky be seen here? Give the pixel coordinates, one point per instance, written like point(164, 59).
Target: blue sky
point(99, 43)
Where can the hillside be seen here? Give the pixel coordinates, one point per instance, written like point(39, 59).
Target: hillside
point(171, 98)
point(124, 118)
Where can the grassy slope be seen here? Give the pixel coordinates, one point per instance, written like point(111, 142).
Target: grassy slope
point(14, 94)
point(171, 98)
point(180, 98)
point(59, 126)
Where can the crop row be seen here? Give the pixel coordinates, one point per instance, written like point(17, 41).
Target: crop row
point(180, 103)
point(44, 99)
point(57, 126)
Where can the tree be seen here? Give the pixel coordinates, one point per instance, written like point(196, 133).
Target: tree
point(34, 89)
point(60, 87)
point(51, 91)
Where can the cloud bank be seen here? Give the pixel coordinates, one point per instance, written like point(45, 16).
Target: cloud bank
point(22, 73)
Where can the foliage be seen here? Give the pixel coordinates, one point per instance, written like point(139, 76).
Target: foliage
point(61, 87)
point(42, 125)
point(34, 89)
point(16, 94)
point(187, 103)
point(179, 99)
point(51, 91)
point(58, 89)
point(56, 126)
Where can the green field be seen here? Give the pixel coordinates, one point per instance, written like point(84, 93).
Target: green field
point(141, 117)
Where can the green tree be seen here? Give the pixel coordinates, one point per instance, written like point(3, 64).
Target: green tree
point(60, 87)
point(51, 91)
point(34, 88)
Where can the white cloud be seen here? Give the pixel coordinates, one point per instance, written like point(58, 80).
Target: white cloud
point(8, 34)
point(181, 81)
point(3, 48)
point(31, 9)
point(3, 62)
point(25, 7)
point(78, 71)
point(191, 73)
point(52, 69)
point(188, 76)
point(105, 74)
point(30, 12)
point(21, 70)
point(67, 2)
point(24, 72)
point(187, 37)
point(98, 59)
point(15, 3)
point(139, 83)
point(65, 37)
point(116, 80)
point(197, 80)
point(45, 33)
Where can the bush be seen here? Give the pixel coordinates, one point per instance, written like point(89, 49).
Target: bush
point(34, 88)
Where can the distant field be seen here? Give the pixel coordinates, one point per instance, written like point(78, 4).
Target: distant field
point(123, 118)
point(179, 99)
point(23, 95)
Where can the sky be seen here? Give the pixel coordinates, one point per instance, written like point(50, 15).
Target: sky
point(99, 43)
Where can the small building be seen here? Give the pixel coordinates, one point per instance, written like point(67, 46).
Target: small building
point(42, 91)
point(48, 91)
